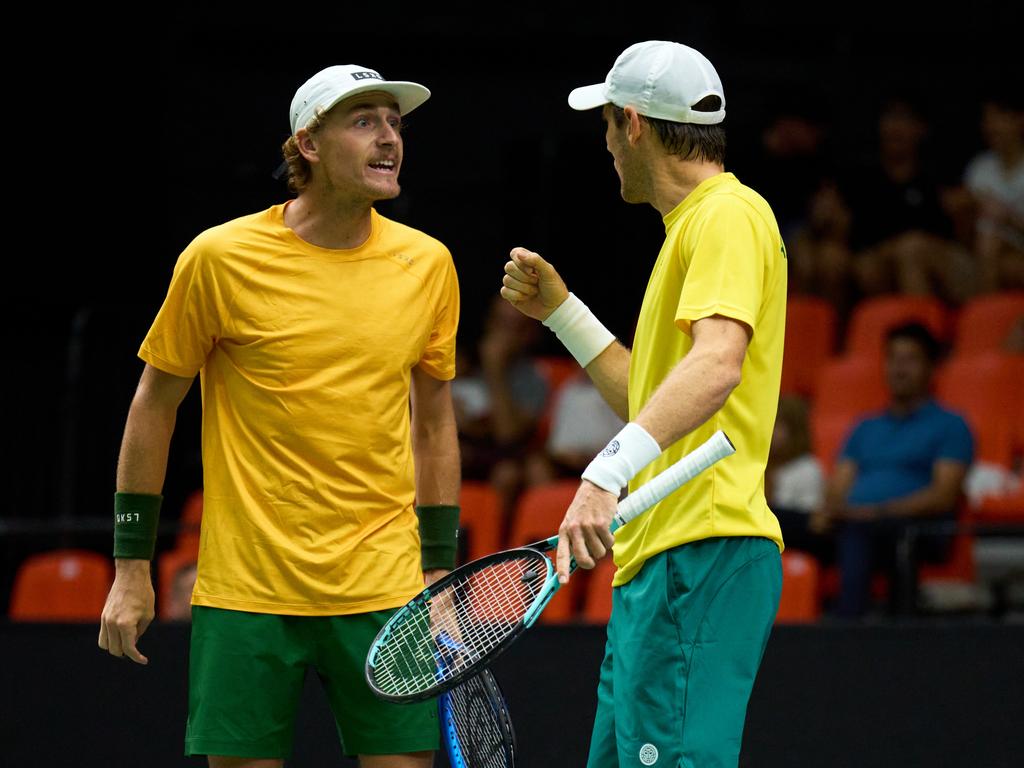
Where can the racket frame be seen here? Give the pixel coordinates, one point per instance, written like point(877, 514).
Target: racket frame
point(717, 447)
point(502, 716)
point(423, 598)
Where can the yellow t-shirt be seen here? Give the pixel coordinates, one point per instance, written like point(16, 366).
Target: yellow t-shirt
point(305, 355)
point(723, 255)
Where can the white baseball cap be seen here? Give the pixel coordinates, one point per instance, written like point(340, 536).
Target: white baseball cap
point(329, 86)
point(659, 79)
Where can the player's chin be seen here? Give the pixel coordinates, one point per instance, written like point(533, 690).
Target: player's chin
point(386, 190)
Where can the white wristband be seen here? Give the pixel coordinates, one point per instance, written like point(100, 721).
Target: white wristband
point(629, 451)
point(577, 328)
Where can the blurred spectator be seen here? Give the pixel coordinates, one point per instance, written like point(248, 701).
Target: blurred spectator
point(906, 464)
point(819, 253)
point(995, 179)
point(985, 479)
point(794, 480)
point(180, 603)
point(581, 425)
point(790, 166)
point(498, 404)
point(901, 232)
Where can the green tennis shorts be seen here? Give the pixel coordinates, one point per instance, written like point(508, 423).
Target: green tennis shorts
point(246, 674)
point(685, 639)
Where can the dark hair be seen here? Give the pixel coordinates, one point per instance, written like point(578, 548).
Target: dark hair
point(918, 333)
point(688, 140)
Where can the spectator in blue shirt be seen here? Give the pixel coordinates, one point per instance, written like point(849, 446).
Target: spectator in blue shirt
point(905, 464)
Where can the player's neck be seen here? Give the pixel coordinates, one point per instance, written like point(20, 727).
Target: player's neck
point(673, 180)
point(329, 223)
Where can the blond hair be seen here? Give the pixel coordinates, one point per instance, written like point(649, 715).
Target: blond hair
point(300, 172)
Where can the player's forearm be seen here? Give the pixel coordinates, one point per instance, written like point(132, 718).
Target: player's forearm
point(142, 463)
point(435, 443)
point(438, 475)
point(690, 395)
point(610, 373)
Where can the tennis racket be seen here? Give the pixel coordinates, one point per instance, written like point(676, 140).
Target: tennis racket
point(475, 723)
point(474, 613)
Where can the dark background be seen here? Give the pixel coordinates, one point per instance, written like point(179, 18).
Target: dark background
point(914, 696)
point(126, 138)
point(130, 138)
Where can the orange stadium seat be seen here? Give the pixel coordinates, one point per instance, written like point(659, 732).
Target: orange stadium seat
point(799, 603)
point(556, 370)
point(872, 319)
point(959, 566)
point(848, 389)
point(538, 514)
point(597, 602)
point(810, 341)
point(985, 322)
point(63, 585)
point(481, 519)
point(986, 389)
point(168, 565)
point(191, 517)
point(1002, 509)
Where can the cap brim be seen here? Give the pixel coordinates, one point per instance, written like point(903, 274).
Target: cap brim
point(408, 95)
point(588, 97)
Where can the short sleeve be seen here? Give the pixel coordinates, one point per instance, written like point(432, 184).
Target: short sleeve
point(438, 358)
point(189, 321)
point(957, 442)
point(726, 272)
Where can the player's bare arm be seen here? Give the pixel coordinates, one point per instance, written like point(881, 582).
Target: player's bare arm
point(141, 468)
point(692, 392)
point(700, 383)
point(435, 446)
point(535, 288)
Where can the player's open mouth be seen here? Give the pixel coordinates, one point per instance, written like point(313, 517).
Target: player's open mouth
point(383, 166)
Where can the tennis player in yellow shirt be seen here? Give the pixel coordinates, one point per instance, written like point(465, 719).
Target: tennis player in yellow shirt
point(311, 325)
point(699, 576)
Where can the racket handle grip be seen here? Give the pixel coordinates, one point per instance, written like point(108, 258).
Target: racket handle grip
point(718, 446)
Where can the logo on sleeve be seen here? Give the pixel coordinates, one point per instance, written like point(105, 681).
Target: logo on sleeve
point(366, 76)
point(612, 449)
point(648, 754)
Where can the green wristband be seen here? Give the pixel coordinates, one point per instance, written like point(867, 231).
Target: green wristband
point(439, 532)
point(136, 516)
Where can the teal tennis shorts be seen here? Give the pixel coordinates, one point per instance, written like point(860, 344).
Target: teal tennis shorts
point(246, 674)
point(685, 639)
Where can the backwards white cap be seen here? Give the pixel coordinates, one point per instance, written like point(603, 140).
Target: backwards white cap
point(329, 86)
point(659, 79)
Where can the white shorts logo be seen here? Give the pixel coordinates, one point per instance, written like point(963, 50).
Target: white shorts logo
point(648, 754)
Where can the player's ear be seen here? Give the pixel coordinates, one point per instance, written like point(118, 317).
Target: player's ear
point(307, 145)
point(634, 125)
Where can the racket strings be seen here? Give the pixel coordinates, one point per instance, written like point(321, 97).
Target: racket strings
point(478, 725)
point(440, 637)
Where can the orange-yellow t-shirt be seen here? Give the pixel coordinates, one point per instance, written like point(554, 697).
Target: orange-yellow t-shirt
point(305, 356)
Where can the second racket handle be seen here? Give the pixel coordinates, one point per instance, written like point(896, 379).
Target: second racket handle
point(717, 447)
